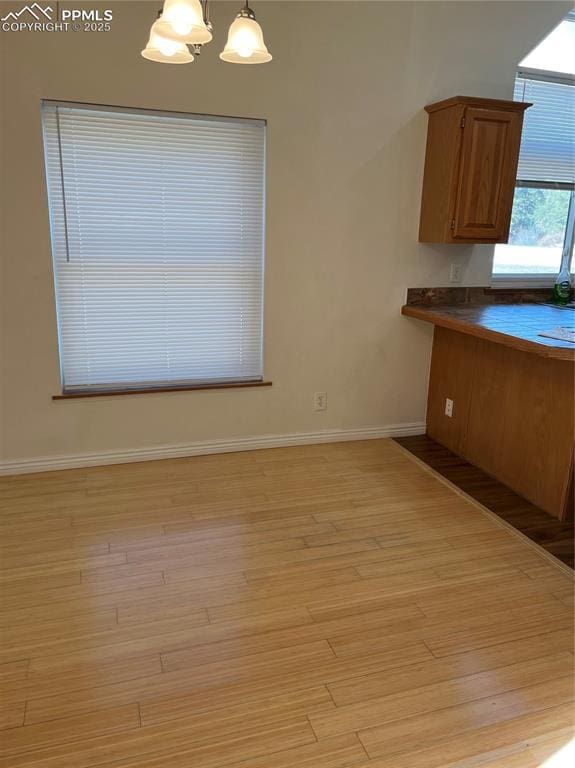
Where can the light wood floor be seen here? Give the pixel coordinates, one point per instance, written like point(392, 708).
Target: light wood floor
point(318, 607)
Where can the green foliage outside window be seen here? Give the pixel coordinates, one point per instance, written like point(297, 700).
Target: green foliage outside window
point(539, 217)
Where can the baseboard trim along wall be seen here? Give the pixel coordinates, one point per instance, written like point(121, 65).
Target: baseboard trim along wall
point(52, 463)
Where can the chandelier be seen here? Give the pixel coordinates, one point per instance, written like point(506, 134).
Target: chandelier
point(184, 26)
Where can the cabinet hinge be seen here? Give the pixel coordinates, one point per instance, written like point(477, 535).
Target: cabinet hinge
point(452, 223)
point(463, 122)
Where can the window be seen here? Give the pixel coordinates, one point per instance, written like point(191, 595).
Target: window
point(555, 52)
point(543, 218)
point(157, 224)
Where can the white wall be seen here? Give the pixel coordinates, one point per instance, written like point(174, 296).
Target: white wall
point(343, 99)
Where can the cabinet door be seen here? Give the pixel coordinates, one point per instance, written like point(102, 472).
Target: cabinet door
point(488, 165)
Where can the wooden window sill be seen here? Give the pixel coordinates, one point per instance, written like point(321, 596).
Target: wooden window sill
point(163, 390)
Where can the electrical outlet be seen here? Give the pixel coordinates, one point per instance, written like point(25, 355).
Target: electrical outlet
point(455, 272)
point(320, 401)
point(448, 407)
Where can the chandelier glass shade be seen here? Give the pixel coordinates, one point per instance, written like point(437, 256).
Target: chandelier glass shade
point(166, 51)
point(245, 43)
point(183, 23)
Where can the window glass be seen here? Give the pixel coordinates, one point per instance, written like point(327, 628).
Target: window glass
point(537, 232)
point(556, 52)
point(541, 228)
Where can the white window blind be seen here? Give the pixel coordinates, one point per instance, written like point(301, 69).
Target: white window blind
point(548, 140)
point(157, 226)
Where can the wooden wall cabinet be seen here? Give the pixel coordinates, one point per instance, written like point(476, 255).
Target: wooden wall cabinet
point(470, 169)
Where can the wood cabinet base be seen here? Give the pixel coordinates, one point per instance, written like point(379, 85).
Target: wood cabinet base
point(513, 415)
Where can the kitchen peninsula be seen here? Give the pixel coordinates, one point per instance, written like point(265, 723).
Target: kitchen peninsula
point(512, 393)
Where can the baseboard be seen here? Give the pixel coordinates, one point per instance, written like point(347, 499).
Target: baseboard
point(75, 461)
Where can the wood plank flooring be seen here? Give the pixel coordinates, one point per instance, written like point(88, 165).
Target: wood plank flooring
point(553, 535)
point(310, 607)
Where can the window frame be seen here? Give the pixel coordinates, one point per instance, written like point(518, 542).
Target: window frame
point(163, 386)
point(547, 279)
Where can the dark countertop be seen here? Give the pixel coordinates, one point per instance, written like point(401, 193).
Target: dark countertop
point(514, 325)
